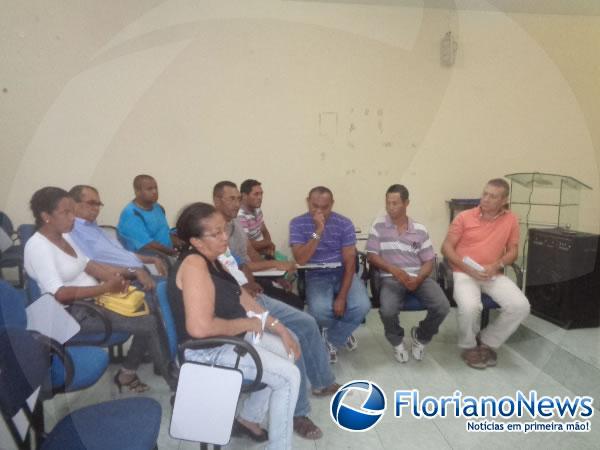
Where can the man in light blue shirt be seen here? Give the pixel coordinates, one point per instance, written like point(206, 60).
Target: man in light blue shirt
point(98, 246)
point(143, 224)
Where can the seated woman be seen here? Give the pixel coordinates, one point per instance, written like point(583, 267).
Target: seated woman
point(213, 304)
point(61, 269)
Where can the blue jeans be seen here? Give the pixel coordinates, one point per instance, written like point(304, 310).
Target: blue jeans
point(314, 361)
point(321, 291)
point(279, 374)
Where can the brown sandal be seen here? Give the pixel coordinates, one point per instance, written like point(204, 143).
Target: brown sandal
point(305, 428)
point(326, 391)
point(132, 382)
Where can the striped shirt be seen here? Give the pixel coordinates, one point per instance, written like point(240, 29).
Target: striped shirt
point(251, 222)
point(338, 233)
point(407, 250)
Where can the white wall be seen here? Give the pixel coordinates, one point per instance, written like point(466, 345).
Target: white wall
point(291, 93)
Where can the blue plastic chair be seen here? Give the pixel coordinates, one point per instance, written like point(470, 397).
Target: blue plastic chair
point(13, 255)
point(131, 423)
point(90, 363)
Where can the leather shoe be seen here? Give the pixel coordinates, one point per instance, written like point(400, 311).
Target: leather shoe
point(239, 430)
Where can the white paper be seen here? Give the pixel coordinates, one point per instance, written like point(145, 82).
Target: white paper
point(473, 264)
point(48, 317)
point(152, 269)
point(269, 273)
point(263, 318)
point(333, 265)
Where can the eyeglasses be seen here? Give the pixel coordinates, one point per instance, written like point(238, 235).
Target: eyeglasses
point(94, 204)
point(216, 234)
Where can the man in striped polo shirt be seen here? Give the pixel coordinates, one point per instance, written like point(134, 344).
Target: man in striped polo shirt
point(402, 251)
point(250, 217)
point(336, 297)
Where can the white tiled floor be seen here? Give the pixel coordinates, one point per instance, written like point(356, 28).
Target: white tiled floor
point(539, 356)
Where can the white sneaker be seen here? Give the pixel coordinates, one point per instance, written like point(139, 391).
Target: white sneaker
point(351, 343)
point(332, 352)
point(401, 353)
point(331, 349)
point(418, 349)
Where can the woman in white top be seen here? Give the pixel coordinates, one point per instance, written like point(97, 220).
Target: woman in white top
point(61, 269)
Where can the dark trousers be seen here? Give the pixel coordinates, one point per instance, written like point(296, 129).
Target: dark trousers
point(392, 297)
point(287, 297)
point(143, 328)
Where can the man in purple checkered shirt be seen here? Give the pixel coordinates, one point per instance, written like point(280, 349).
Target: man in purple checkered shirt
point(336, 298)
point(402, 251)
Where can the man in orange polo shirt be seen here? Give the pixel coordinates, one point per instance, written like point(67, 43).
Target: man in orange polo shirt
point(489, 236)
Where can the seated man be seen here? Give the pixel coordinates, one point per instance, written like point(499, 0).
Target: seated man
point(401, 249)
point(336, 298)
point(489, 235)
point(250, 217)
point(313, 363)
point(226, 199)
point(98, 246)
point(143, 225)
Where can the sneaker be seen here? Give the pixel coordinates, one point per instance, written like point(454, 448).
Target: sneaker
point(418, 349)
point(332, 352)
point(401, 353)
point(352, 343)
point(474, 358)
point(331, 349)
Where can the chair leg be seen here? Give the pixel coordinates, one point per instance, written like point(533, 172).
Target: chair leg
point(485, 318)
point(38, 424)
point(116, 354)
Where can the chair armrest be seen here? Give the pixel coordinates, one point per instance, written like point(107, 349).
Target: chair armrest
point(446, 280)
point(362, 260)
point(241, 347)
point(518, 274)
point(374, 277)
point(58, 350)
point(96, 311)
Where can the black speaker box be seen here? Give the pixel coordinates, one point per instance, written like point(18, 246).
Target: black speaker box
point(563, 277)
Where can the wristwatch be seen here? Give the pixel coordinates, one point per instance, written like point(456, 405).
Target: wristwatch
point(315, 236)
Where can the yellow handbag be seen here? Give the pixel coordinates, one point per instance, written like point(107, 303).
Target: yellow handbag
point(130, 303)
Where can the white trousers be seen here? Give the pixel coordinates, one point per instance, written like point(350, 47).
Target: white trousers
point(514, 308)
